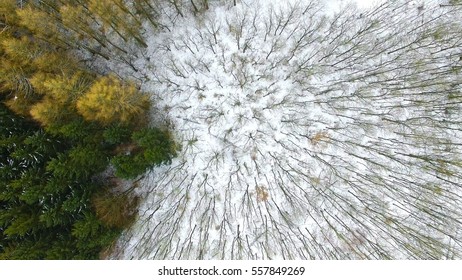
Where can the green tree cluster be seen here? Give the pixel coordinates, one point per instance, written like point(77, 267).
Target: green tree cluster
point(151, 147)
point(46, 187)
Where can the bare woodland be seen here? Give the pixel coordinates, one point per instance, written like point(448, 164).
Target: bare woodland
point(304, 135)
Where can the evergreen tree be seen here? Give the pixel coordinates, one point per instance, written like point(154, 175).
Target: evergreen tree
point(45, 193)
point(154, 147)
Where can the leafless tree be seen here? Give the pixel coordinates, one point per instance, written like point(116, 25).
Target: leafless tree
point(307, 136)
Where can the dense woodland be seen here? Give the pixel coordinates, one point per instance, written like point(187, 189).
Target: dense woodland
point(197, 129)
point(64, 124)
point(307, 133)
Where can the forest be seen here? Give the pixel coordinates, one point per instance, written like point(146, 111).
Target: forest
point(245, 129)
point(72, 138)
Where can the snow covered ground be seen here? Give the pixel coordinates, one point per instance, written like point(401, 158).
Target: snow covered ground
point(306, 133)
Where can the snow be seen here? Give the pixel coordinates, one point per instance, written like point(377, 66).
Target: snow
point(305, 134)
point(338, 5)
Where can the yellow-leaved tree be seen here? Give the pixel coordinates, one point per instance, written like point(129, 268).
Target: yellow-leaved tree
point(60, 93)
point(110, 100)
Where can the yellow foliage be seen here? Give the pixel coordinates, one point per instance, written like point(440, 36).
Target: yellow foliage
point(21, 51)
point(115, 14)
point(76, 19)
point(13, 78)
point(48, 112)
point(321, 136)
point(40, 23)
point(56, 62)
point(63, 88)
point(72, 15)
point(20, 104)
point(15, 67)
point(8, 11)
point(38, 80)
point(110, 100)
point(262, 194)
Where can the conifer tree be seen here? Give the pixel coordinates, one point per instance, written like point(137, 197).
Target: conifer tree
point(60, 94)
point(43, 213)
point(109, 100)
point(15, 70)
point(49, 113)
point(43, 25)
point(146, 9)
point(8, 12)
point(116, 15)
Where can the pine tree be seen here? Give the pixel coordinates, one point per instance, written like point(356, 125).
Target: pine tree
point(63, 88)
point(154, 147)
point(145, 9)
point(78, 22)
point(60, 95)
point(38, 208)
point(79, 163)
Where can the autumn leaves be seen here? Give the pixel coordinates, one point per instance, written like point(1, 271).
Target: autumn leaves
point(110, 100)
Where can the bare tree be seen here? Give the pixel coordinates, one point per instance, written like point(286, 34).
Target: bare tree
point(307, 136)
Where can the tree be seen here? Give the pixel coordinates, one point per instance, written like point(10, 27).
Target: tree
point(109, 100)
point(79, 163)
point(8, 12)
point(15, 70)
point(48, 113)
point(309, 136)
point(153, 147)
point(61, 93)
point(53, 155)
point(115, 15)
point(46, 187)
point(42, 25)
point(115, 209)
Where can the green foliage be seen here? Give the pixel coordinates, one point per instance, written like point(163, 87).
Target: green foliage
point(45, 192)
point(87, 227)
point(95, 235)
point(157, 144)
point(78, 163)
point(27, 249)
point(116, 134)
point(128, 166)
point(22, 224)
point(155, 147)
